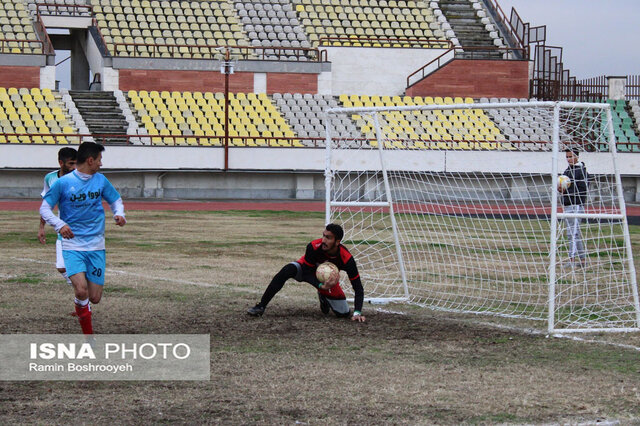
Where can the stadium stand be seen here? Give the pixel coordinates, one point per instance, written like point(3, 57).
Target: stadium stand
point(304, 114)
point(33, 116)
point(102, 112)
point(440, 129)
point(17, 34)
point(76, 117)
point(623, 126)
point(185, 118)
point(129, 117)
point(467, 23)
point(522, 125)
point(276, 29)
point(168, 29)
point(273, 24)
point(368, 19)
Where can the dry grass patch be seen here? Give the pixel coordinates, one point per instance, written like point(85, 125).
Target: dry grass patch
point(197, 272)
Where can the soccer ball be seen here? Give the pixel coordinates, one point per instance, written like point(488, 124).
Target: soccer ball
point(324, 271)
point(564, 182)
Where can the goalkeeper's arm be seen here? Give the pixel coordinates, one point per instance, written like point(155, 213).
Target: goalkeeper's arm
point(356, 283)
point(358, 297)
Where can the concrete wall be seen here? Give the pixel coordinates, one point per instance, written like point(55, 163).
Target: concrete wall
point(375, 71)
point(94, 57)
point(277, 173)
point(48, 77)
point(25, 157)
point(617, 87)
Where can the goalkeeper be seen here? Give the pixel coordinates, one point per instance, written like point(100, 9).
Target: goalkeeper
point(574, 197)
point(327, 248)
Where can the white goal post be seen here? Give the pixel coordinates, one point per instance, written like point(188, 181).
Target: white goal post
point(457, 208)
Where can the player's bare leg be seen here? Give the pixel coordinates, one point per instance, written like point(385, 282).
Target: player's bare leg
point(63, 272)
point(95, 292)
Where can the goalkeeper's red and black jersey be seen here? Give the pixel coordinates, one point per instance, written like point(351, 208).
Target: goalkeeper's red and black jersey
point(314, 256)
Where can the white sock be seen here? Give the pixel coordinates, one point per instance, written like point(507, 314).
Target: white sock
point(84, 302)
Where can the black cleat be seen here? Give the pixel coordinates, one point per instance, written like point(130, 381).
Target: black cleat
point(324, 304)
point(256, 311)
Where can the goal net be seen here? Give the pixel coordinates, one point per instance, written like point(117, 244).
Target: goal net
point(457, 208)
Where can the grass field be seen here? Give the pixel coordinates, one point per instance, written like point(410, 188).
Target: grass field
point(198, 272)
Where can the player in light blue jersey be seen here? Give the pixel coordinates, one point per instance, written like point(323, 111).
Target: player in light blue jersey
point(67, 162)
point(79, 196)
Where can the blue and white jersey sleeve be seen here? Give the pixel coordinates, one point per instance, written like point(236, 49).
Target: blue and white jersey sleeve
point(49, 201)
point(49, 179)
point(52, 196)
point(109, 193)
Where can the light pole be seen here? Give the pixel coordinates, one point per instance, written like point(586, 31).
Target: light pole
point(226, 68)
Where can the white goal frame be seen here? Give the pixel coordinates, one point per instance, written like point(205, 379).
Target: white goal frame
point(388, 203)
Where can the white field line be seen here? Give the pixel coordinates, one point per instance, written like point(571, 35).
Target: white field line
point(384, 311)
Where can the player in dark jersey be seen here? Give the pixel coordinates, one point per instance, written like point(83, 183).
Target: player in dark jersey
point(574, 197)
point(325, 249)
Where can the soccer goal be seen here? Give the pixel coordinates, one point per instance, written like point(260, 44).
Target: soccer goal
point(457, 208)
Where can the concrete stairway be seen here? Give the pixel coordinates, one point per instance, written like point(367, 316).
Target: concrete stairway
point(468, 28)
point(102, 115)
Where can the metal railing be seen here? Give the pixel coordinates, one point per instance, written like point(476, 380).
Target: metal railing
point(594, 89)
point(235, 141)
point(41, 29)
point(154, 50)
point(518, 34)
point(62, 9)
point(450, 55)
point(365, 41)
point(8, 45)
point(104, 50)
point(280, 142)
point(633, 87)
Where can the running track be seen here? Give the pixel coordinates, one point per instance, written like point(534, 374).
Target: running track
point(633, 211)
point(296, 206)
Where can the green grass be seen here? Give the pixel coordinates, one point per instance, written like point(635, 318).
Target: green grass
point(17, 237)
point(28, 279)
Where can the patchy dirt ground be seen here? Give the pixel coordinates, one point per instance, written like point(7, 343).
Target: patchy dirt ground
point(198, 272)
